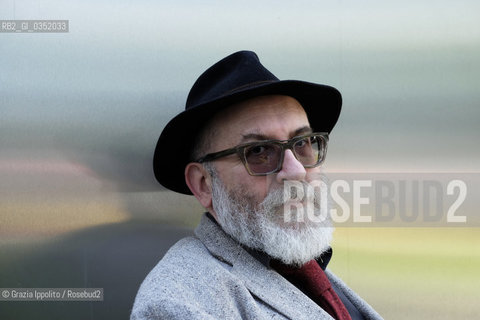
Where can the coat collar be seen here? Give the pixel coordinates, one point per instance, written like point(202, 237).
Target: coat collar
point(263, 282)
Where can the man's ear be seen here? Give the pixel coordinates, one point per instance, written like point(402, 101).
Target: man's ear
point(200, 183)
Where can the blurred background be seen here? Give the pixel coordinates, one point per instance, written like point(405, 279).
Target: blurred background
point(80, 114)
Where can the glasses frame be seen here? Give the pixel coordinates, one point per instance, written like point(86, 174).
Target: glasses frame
point(284, 144)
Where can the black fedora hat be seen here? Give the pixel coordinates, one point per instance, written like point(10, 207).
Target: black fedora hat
point(238, 77)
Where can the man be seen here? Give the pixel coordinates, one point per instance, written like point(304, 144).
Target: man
point(260, 251)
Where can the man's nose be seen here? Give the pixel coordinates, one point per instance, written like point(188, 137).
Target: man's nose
point(291, 169)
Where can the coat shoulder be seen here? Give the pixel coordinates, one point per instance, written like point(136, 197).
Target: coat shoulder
point(177, 286)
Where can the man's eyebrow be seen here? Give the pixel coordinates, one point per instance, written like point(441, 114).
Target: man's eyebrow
point(260, 136)
point(254, 136)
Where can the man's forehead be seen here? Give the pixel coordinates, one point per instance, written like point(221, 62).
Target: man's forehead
point(261, 118)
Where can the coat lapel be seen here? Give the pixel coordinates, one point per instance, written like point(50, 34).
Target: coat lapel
point(274, 290)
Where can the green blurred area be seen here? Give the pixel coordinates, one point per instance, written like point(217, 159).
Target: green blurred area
point(412, 273)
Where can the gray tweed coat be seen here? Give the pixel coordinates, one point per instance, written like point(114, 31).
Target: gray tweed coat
point(210, 276)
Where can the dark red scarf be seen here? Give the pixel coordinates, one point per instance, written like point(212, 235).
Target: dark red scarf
point(311, 279)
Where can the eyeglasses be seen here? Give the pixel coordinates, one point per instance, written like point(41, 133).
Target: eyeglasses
point(266, 157)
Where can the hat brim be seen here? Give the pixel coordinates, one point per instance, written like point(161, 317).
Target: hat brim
point(321, 103)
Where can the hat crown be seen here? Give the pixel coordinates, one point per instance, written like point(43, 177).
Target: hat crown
point(238, 71)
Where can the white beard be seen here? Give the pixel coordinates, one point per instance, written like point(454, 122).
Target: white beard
point(262, 226)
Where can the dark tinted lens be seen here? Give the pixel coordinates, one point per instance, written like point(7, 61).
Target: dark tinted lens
point(263, 158)
point(307, 150)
